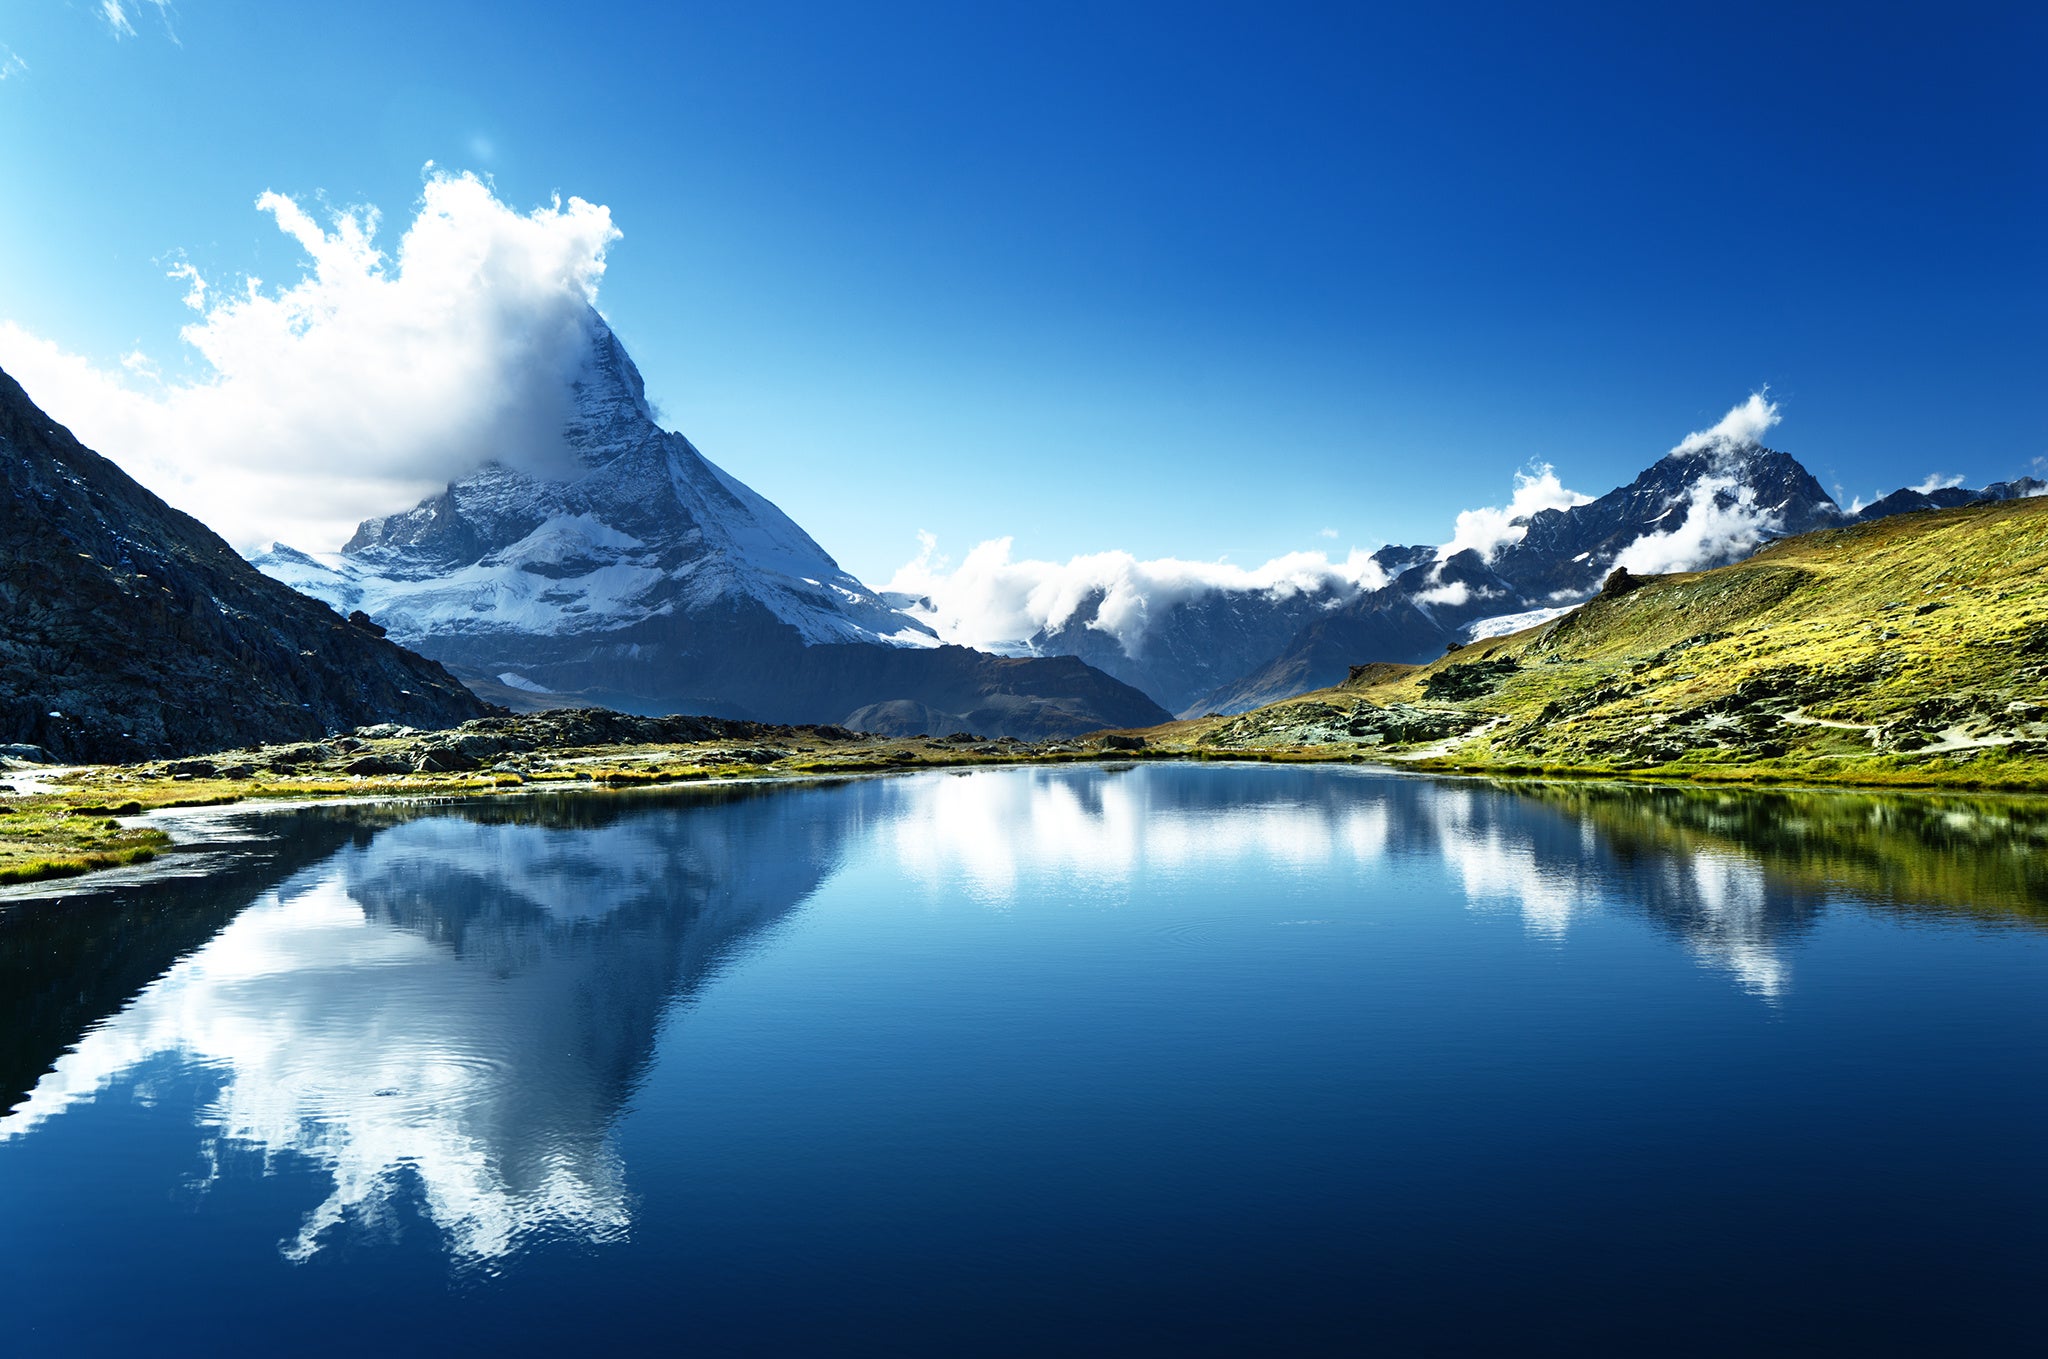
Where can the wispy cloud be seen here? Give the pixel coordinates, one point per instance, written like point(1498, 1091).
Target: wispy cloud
point(118, 16)
point(1741, 427)
point(10, 63)
point(1937, 482)
point(1326, 533)
point(368, 383)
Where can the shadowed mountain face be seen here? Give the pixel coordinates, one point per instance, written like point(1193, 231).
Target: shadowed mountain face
point(128, 630)
point(653, 582)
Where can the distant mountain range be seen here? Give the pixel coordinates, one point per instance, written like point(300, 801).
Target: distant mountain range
point(1229, 651)
point(129, 630)
point(654, 582)
point(1909, 648)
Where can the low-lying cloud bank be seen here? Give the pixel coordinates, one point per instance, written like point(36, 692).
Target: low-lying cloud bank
point(370, 382)
point(992, 602)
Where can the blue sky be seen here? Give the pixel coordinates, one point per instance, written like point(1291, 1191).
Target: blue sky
point(1182, 280)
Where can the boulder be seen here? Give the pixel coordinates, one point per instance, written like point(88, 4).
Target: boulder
point(1620, 582)
point(444, 760)
point(385, 731)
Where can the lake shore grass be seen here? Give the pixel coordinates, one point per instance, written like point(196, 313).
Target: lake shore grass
point(65, 823)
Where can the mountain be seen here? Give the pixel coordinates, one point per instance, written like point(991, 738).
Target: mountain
point(647, 579)
point(1698, 508)
point(129, 630)
point(1430, 599)
point(1193, 645)
point(1913, 499)
point(1908, 649)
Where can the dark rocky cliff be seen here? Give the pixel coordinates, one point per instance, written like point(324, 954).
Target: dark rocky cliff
point(130, 630)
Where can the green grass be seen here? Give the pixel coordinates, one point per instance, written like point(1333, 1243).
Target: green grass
point(52, 838)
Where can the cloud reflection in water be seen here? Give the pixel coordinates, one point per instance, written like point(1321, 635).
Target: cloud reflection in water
point(454, 1007)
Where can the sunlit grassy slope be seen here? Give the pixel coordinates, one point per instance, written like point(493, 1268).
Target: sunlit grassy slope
point(1909, 650)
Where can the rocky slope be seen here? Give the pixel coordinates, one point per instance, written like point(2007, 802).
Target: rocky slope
point(650, 580)
point(129, 630)
point(1912, 648)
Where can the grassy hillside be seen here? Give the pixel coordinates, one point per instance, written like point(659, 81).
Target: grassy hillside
point(1912, 650)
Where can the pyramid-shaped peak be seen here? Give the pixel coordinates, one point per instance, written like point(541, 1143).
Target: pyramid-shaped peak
point(608, 405)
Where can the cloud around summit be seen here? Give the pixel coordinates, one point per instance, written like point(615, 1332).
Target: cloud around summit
point(366, 384)
point(1742, 426)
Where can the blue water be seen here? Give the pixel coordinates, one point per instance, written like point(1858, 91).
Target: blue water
point(1167, 1058)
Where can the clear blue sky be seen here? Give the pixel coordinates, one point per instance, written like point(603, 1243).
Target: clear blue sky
point(1180, 279)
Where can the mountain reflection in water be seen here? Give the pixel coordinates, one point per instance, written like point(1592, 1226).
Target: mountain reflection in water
point(456, 1003)
point(466, 997)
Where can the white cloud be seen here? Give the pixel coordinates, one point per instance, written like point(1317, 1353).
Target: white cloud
point(1722, 524)
point(1452, 593)
point(1937, 482)
point(1741, 427)
point(10, 63)
point(992, 602)
point(367, 384)
point(1488, 530)
point(1326, 533)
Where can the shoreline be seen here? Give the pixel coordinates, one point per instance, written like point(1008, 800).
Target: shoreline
point(137, 830)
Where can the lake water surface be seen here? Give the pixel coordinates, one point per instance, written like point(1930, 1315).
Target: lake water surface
point(1171, 1058)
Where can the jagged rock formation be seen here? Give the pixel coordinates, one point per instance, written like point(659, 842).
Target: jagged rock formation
point(129, 630)
point(652, 581)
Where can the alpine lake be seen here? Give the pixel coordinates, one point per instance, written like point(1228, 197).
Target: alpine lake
point(1146, 1058)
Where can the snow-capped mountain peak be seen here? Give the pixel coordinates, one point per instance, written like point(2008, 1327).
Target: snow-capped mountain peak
point(647, 528)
